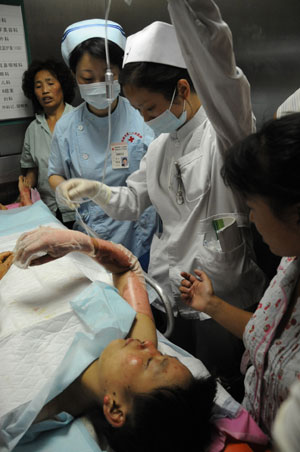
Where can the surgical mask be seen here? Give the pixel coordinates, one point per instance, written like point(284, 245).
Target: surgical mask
point(167, 122)
point(95, 93)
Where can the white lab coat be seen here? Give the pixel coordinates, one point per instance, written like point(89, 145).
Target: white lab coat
point(187, 164)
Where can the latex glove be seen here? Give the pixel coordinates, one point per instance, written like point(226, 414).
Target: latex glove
point(45, 244)
point(6, 259)
point(71, 192)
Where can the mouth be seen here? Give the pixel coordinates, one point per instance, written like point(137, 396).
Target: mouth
point(46, 100)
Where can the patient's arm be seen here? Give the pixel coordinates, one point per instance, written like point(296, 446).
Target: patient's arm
point(24, 189)
point(45, 244)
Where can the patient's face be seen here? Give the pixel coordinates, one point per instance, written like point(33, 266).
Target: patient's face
point(139, 367)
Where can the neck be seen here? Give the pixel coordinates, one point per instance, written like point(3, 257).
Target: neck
point(54, 113)
point(78, 398)
point(103, 113)
point(193, 105)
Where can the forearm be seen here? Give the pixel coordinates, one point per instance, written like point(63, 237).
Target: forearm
point(230, 317)
point(55, 180)
point(133, 290)
point(208, 52)
point(31, 177)
point(25, 192)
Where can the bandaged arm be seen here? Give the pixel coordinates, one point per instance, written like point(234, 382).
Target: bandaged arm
point(46, 244)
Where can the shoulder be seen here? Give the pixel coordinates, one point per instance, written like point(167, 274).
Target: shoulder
point(69, 118)
point(36, 124)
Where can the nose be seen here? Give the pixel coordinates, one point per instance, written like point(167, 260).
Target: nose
point(251, 217)
point(151, 348)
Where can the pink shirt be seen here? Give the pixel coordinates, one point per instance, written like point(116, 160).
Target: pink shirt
point(275, 361)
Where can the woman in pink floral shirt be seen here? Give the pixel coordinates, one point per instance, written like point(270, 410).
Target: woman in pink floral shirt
point(265, 169)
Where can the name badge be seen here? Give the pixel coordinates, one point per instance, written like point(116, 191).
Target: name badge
point(119, 155)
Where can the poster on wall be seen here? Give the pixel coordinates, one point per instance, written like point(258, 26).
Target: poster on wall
point(13, 63)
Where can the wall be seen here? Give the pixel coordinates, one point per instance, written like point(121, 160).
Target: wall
point(266, 40)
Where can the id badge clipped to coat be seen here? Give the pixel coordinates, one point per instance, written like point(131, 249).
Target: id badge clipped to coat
point(119, 155)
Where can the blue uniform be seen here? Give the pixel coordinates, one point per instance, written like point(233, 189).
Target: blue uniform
point(78, 150)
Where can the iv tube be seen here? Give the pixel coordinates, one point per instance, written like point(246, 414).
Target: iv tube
point(109, 80)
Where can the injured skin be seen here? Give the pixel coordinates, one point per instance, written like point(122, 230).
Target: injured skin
point(24, 189)
point(6, 259)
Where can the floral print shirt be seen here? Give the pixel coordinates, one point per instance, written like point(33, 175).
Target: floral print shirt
point(274, 356)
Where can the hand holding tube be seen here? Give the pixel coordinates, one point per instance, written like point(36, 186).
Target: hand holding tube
point(71, 192)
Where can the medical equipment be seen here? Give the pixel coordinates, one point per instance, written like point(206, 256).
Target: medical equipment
point(109, 79)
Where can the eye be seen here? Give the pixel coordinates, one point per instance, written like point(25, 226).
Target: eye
point(148, 362)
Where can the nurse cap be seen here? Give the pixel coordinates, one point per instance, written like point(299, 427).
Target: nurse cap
point(156, 43)
point(93, 28)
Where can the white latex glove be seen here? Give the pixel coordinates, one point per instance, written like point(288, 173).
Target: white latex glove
point(45, 244)
point(73, 191)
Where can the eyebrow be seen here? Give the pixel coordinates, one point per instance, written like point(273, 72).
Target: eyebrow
point(164, 363)
point(46, 80)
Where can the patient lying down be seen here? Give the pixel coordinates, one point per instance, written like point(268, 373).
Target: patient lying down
point(143, 400)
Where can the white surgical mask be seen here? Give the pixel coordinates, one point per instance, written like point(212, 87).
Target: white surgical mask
point(95, 93)
point(167, 122)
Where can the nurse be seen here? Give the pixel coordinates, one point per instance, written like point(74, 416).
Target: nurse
point(198, 114)
point(80, 141)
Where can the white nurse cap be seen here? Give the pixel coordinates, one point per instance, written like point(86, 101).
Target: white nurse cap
point(156, 43)
point(93, 28)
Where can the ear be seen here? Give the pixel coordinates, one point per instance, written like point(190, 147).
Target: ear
point(114, 413)
point(183, 88)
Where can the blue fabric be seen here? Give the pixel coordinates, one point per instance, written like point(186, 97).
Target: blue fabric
point(104, 316)
point(60, 435)
point(79, 148)
point(25, 218)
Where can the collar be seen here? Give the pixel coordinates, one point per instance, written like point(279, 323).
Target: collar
point(198, 118)
point(86, 114)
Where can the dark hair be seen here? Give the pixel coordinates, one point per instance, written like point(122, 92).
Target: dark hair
point(96, 48)
point(174, 419)
point(267, 163)
point(59, 70)
point(155, 77)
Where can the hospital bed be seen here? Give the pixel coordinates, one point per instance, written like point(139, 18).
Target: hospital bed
point(36, 303)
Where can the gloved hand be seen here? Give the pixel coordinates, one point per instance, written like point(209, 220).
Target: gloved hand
point(45, 244)
point(71, 192)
